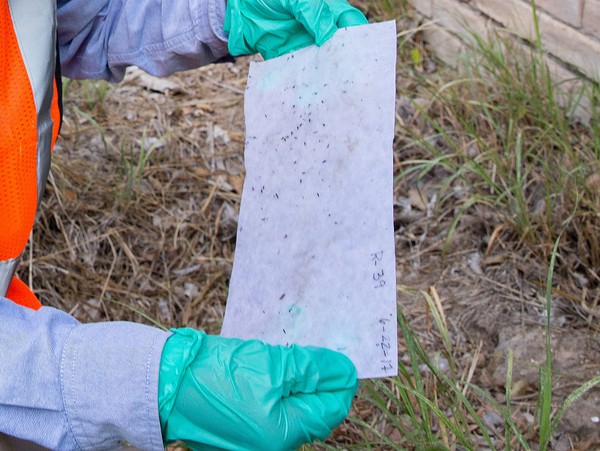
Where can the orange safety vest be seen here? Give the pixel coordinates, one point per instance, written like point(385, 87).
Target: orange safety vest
point(29, 123)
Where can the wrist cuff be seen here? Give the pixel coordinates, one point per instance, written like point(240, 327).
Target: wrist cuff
point(109, 379)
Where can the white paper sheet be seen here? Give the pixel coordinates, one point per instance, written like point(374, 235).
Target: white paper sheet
point(314, 262)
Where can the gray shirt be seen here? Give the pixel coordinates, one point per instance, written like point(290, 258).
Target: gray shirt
point(100, 38)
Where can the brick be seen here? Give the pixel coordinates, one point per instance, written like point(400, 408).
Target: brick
point(447, 46)
point(454, 18)
point(450, 19)
point(423, 7)
point(450, 16)
point(459, 18)
point(558, 39)
point(569, 85)
point(591, 17)
point(568, 11)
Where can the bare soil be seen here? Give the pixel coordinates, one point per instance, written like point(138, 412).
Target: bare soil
point(139, 222)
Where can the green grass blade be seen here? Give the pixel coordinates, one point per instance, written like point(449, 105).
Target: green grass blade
point(417, 354)
point(574, 396)
point(412, 348)
point(439, 323)
point(546, 370)
point(142, 314)
point(473, 414)
point(505, 415)
point(459, 433)
point(508, 388)
point(372, 430)
point(378, 400)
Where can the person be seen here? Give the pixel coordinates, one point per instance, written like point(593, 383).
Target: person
point(66, 385)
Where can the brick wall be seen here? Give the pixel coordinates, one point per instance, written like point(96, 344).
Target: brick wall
point(569, 29)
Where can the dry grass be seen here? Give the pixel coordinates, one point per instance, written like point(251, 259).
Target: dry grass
point(141, 208)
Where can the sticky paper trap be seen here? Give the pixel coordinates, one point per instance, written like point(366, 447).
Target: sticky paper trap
point(314, 262)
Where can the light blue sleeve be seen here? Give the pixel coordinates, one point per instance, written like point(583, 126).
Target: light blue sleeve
point(100, 38)
point(70, 386)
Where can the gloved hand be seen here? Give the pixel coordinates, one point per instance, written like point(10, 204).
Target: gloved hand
point(227, 393)
point(275, 27)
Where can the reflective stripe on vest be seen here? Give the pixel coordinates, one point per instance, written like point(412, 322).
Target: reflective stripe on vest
point(29, 120)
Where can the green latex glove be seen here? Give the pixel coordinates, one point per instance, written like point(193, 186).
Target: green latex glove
point(275, 27)
point(232, 394)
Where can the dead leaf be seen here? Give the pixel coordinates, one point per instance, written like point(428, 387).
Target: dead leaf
point(221, 133)
point(494, 260)
point(237, 137)
point(237, 182)
point(593, 183)
point(519, 388)
point(417, 199)
point(163, 85)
